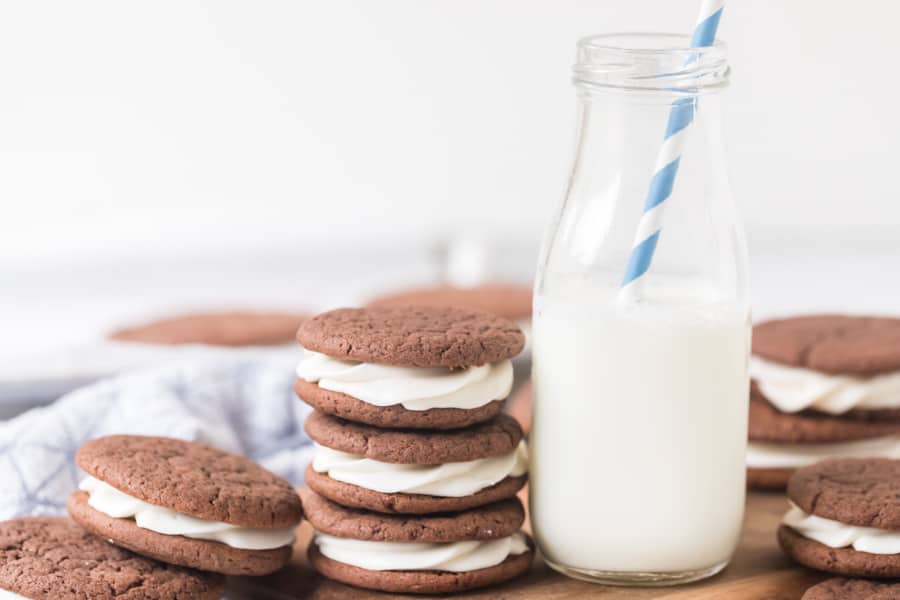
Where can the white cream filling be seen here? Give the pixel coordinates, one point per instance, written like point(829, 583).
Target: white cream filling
point(111, 502)
point(7, 595)
point(414, 388)
point(785, 455)
point(792, 389)
point(835, 534)
point(453, 480)
point(418, 556)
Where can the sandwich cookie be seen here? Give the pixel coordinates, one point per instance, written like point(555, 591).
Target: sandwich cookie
point(425, 554)
point(823, 386)
point(415, 472)
point(408, 367)
point(216, 329)
point(840, 588)
point(51, 558)
point(186, 503)
point(845, 517)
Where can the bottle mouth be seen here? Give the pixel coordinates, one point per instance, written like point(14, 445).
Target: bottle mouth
point(663, 62)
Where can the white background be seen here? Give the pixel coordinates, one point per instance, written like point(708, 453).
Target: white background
point(174, 154)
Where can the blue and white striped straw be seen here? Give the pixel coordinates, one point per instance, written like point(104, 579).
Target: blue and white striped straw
point(681, 115)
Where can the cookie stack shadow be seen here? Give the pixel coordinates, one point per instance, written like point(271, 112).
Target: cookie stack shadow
point(414, 480)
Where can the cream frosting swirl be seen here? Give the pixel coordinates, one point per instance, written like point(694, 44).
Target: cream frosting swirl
point(792, 389)
point(418, 556)
point(7, 595)
point(414, 388)
point(835, 534)
point(114, 503)
point(789, 456)
point(452, 480)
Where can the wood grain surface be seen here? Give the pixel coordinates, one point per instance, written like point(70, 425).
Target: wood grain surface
point(759, 571)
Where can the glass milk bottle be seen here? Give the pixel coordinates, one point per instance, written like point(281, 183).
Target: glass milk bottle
point(641, 394)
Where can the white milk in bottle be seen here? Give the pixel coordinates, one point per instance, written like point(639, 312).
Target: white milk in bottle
point(640, 399)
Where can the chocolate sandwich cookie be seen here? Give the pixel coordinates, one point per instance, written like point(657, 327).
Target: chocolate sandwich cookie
point(845, 517)
point(840, 588)
point(408, 367)
point(822, 386)
point(236, 328)
point(426, 554)
point(416, 472)
point(186, 503)
point(50, 558)
point(504, 300)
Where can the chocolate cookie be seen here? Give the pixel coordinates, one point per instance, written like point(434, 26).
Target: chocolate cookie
point(504, 300)
point(863, 492)
point(831, 343)
point(853, 589)
point(486, 524)
point(498, 436)
point(217, 329)
point(768, 479)
point(490, 522)
point(51, 558)
point(194, 480)
point(421, 336)
point(421, 582)
point(767, 424)
point(348, 407)
point(840, 561)
point(354, 496)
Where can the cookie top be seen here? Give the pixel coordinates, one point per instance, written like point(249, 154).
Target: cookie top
point(837, 344)
point(504, 300)
point(840, 588)
point(416, 447)
point(767, 424)
point(413, 336)
point(236, 328)
point(493, 521)
point(49, 557)
point(856, 491)
point(192, 479)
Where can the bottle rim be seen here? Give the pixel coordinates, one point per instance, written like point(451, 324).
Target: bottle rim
point(664, 62)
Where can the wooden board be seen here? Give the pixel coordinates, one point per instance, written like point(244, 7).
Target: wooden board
point(758, 571)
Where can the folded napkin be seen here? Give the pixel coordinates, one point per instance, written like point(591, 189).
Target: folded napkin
point(238, 404)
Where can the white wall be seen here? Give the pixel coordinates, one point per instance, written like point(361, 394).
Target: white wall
point(130, 127)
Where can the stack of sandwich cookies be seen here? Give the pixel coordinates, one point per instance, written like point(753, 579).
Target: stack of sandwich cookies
point(186, 504)
point(822, 386)
point(47, 558)
point(415, 472)
point(845, 517)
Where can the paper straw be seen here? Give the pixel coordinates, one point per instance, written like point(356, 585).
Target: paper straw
point(681, 115)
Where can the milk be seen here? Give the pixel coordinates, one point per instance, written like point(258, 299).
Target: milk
point(640, 428)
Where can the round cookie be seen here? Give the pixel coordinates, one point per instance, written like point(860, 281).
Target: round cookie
point(495, 521)
point(840, 561)
point(504, 300)
point(840, 588)
point(498, 436)
point(421, 582)
point(519, 405)
point(838, 344)
point(354, 496)
point(862, 492)
point(191, 479)
point(216, 329)
point(767, 424)
point(768, 479)
point(348, 407)
point(490, 522)
point(49, 558)
point(421, 336)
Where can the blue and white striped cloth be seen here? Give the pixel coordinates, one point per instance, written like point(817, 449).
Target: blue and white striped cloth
point(241, 405)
